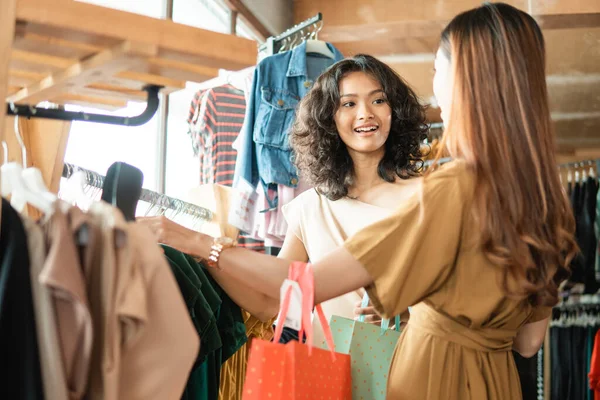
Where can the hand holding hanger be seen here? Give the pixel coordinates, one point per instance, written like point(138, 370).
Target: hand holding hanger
point(172, 234)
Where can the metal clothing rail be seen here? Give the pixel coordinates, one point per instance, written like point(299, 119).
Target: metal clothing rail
point(273, 43)
point(582, 164)
point(157, 199)
point(51, 113)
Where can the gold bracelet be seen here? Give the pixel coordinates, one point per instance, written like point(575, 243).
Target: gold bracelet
point(219, 244)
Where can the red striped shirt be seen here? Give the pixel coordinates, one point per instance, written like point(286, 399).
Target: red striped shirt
point(213, 138)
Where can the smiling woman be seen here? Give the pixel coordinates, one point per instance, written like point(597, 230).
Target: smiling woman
point(337, 117)
point(364, 118)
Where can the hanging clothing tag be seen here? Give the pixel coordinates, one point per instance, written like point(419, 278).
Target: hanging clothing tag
point(241, 205)
point(293, 319)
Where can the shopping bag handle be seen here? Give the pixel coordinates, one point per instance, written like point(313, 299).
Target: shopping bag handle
point(385, 322)
point(303, 274)
point(295, 273)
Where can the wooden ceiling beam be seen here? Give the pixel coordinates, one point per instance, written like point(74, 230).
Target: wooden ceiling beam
point(373, 12)
point(99, 66)
point(402, 30)
point(568, 21)
point(77, 21)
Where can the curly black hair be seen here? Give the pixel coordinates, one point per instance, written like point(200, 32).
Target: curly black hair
point(319, 152)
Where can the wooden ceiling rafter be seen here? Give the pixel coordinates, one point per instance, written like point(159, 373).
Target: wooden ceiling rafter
point(63, 53)
point(100, 66)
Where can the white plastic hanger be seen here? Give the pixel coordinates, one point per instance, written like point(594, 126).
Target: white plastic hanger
point(5, 186)
point(15, 184)
point(313, 45)
point(32, 176)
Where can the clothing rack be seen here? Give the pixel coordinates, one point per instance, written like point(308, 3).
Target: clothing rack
point(152, 103)
point(582, 164)
point(96, 180)
point(273, 44)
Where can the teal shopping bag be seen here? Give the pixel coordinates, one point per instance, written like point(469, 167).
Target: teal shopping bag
point(370, 348)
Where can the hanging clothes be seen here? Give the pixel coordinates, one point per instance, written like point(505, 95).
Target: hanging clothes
point(21, 376)
point(264, 161)
point(63, 276)
point(573, 329)
point(215, 120)
point(89, 309)
point(218, 322)
point(233, 371)
point(527, 369)
point(53, 374)
point(279, 82)
point(584, 196)
point(587, 236)
point(594, 375)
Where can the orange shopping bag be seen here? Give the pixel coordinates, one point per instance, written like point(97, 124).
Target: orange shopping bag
point(294, 370)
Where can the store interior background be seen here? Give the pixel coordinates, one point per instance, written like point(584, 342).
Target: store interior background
point(403, 33)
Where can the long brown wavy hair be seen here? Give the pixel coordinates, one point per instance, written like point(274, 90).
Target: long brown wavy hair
point(500, 124)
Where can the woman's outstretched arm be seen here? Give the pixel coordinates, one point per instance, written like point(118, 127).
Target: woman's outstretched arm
point(336, 274)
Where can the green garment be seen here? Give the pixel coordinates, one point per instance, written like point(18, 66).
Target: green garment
point(217, 319)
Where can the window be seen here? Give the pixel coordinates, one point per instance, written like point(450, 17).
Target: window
point(150, 8)
point(182, 172)
point(96, 146)
point(208, 14)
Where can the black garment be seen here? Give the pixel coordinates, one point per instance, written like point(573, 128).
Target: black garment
point(570, 360)
point(19, 356)
point(578, 263)
point(272, 251)
point(556, 391)
point(587, 235)
point(289, 334)
point(527, 368)
point(578, 353)
point(583, 201)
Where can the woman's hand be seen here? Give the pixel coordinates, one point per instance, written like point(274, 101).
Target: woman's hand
point(179, 237)
point(369, 312)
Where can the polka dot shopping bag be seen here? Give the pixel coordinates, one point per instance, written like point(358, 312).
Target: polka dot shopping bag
point(295, 371)
point(370, 348)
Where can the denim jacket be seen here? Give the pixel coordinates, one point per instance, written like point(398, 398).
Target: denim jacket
point(279, 82)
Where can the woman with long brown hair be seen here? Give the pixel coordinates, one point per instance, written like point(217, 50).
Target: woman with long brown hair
point(481, 249)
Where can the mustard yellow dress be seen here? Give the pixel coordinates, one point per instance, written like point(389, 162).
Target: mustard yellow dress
point(457, 344)
point(233, 371)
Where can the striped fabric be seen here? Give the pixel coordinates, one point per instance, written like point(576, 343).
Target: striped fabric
point(215, 120)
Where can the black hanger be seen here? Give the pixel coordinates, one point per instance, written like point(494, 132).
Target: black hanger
point(122, 188)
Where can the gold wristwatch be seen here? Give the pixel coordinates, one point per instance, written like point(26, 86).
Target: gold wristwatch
point(219, 244)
